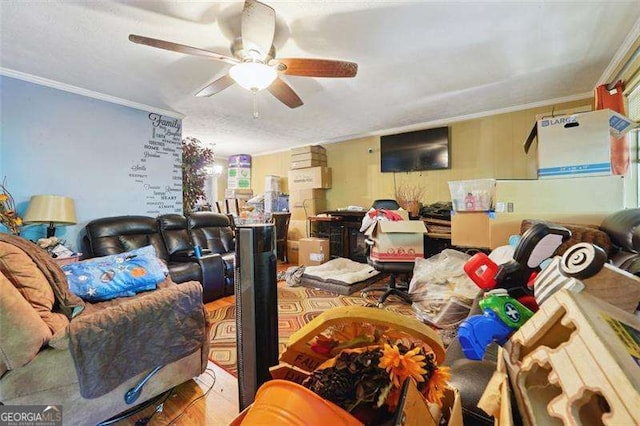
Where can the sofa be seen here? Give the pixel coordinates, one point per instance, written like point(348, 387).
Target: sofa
point(174, 237)
point(56, 349)
point(618, 235)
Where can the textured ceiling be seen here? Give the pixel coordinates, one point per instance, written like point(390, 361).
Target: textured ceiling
point(419, 62)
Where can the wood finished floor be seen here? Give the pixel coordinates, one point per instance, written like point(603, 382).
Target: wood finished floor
point(187, 407)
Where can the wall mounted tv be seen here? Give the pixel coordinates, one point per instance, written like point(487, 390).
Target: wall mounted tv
point(415, 151)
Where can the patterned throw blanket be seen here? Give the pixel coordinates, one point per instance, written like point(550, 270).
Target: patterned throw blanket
point(124, 337)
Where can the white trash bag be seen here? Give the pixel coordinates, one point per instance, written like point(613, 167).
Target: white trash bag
point(441, 291)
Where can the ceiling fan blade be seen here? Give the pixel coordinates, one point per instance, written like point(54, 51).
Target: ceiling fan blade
point(216, 86)
point(316, 67)
point(181, 48)
point(258, 28)
point(285, 93)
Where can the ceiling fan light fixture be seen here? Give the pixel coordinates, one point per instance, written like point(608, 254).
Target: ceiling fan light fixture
point(253, 76)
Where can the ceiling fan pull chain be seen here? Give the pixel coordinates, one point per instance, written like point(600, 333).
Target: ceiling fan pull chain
point(254, 104)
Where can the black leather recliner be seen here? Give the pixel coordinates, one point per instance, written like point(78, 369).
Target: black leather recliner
point(177, 240)
point(113, 235)
point(213, 232)
point(624, 229)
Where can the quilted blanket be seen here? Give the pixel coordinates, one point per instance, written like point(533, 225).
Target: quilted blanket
point(340, 271)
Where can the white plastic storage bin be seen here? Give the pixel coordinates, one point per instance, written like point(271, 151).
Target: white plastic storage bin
point(472, 195)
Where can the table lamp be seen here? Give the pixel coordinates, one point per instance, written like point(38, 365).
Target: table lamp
point(51, 209)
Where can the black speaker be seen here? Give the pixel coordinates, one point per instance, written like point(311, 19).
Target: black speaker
point(256, 307)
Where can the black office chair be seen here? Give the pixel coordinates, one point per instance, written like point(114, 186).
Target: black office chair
point(392, 268)
point(281, 222)
point(385, 204)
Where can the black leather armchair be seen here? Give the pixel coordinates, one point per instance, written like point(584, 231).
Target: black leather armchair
point(214, 234)
point(113, 235)
point(624, 229)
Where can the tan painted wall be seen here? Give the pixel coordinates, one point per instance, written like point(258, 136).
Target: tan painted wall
point(271, 164)
point(480, 148)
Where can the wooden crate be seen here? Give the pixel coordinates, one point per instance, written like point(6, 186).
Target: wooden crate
point(576, 362)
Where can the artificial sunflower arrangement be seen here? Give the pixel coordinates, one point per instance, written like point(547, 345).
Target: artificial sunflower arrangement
point(368, 368)
point(8, 215)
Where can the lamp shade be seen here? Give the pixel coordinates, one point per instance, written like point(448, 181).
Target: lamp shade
point(253, 75)
point(50, 209)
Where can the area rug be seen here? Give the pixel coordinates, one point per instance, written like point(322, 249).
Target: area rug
point(296, 307)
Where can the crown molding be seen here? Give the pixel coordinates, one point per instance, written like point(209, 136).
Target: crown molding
point(444, 122)
point(620, 54)
point(86, 92)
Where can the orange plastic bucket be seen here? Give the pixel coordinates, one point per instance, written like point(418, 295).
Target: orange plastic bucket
point(281, 402)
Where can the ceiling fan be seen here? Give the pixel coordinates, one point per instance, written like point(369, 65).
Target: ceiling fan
point(255, 66)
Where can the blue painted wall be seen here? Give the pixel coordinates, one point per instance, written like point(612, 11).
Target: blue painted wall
point(56, 142)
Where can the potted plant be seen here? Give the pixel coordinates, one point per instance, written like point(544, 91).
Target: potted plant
point(195, 159)
point(409, 196)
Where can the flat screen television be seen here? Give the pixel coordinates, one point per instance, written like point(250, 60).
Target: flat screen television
point(415, 151)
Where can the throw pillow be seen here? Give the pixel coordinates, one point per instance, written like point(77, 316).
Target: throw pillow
point(118, 275)
point(29, 280)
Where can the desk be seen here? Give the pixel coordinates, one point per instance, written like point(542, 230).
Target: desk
point(342, 229)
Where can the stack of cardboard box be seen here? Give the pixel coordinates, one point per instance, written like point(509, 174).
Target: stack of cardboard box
point(309, 178)
point(308, 156)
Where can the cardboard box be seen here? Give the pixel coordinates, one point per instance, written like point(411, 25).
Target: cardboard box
point(293, 248)
point(321, 156)
point(491, 230)
point(399, 241)
point(299, 202)
point(473, 229)
point(307, 202)
point(313, 251)
point(297, 196)
point(303, 164)
point(311, 208)
point(307, 149)
point(310, 178)
point(297, 229)
point(578, 144)
point(239, 178)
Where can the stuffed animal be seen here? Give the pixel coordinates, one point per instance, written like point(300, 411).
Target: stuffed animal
point(50, 242)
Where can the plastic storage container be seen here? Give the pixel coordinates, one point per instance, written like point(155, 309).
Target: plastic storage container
point(280, 402)
point(472, 195)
